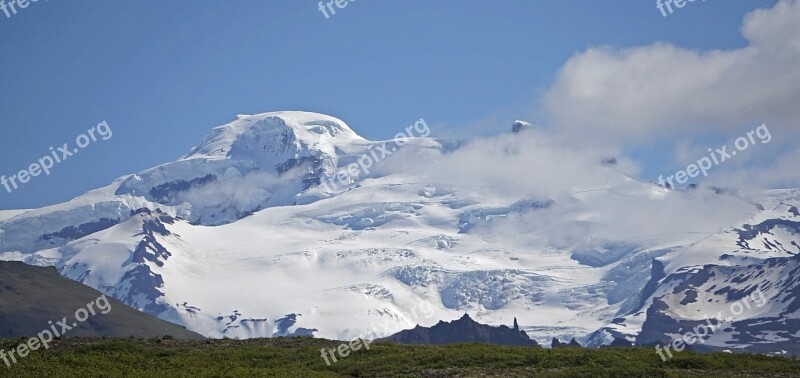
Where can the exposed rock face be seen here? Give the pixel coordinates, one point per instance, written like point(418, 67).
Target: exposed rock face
point(464, 330)
point(558, 344)
point(621, 343)
point(520, 126)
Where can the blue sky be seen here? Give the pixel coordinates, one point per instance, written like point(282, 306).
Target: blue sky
point(162, 74)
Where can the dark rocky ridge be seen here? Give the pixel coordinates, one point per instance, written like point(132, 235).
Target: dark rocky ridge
point(463, 330)
point(556, 343)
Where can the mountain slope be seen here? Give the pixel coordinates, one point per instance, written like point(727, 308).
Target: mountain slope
point(239, 239)
point(30, 297)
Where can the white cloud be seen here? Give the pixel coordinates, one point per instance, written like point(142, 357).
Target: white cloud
point(529, 162)
point(630, 98)
point(660, 90)
point(592, 199)
point(235, 194)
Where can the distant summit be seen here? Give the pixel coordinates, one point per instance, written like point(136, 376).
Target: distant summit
point(520, 126)
point(463, 330)
point(559, 344)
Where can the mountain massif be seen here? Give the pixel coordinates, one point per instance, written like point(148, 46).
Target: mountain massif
point(242, 238)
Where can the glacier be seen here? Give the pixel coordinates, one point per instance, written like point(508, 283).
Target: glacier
point(237, 238)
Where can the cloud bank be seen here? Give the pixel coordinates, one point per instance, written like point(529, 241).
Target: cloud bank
point(630, 97)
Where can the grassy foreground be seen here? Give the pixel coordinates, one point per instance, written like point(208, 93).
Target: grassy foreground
point(297, 357)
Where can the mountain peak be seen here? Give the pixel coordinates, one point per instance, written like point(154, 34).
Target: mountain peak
point(274, 134)
point(463, 330)
point(519, 126)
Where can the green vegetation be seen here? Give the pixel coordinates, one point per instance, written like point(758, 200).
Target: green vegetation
point(300, 357)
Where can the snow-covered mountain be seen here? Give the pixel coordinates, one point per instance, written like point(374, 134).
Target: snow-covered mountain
point(239, 239)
